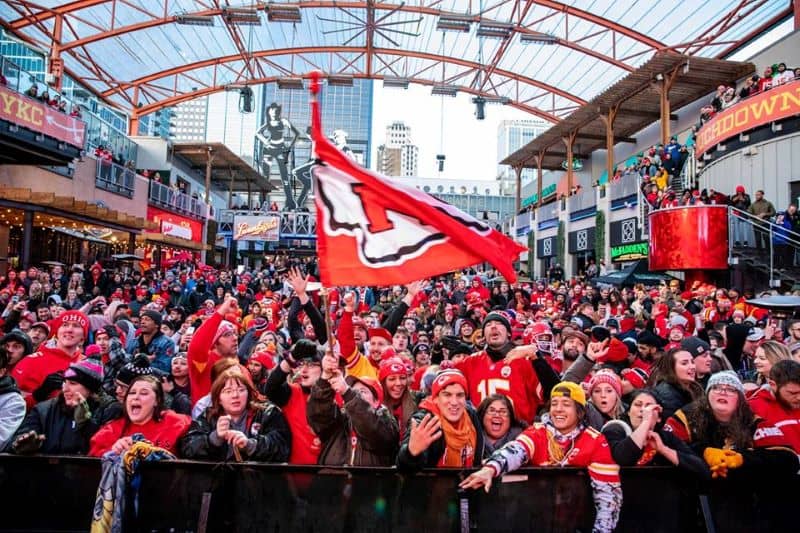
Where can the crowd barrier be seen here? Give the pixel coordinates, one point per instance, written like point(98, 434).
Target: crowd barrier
point(57, 494)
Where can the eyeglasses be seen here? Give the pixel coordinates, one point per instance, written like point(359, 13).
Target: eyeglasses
point(725, 390)
point(238, 391)
point(498, 412)
point(308, 362)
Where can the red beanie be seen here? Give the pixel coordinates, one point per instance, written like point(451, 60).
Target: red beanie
point(609, 377)
point(265, 358)
point(392, 366)
point(380, 332)
point(636, 376)
point(73, 316)
point(445, 379)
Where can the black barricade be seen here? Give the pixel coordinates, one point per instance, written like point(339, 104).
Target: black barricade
point(57, 494)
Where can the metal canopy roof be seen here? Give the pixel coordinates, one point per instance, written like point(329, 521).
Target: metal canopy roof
point(546, 57)
point(637, 97)
point(225, 165)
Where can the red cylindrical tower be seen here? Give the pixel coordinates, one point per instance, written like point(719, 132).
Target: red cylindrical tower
point(689, 238)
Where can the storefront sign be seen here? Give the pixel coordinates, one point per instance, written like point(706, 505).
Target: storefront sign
point(256, 228)
point(37, 116)
point(547, 247)
point(775, 104)
point(546, 191)
point(580, 241)
point(175, 225)
point(624, 232)
point(630, 252)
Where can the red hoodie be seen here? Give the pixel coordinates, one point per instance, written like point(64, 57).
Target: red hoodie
point(164, 433)
point(779, 426)
point(32, 370)
point(201, 356)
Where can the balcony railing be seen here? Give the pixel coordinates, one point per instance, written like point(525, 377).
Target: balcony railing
point(625, 187)
point(115, 178)
point(162, 196)
point(293, 224)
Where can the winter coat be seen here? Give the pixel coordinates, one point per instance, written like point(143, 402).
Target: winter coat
point(356, 434)
point(161, 347)
point(671, 398)
point(63, 434)
point(12, 410)
point(268, 434)
point(430, 458)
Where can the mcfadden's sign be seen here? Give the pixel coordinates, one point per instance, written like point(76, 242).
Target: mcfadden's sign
point(630, 252)
point(778, 103)
point(256, 228)
point(36, 116)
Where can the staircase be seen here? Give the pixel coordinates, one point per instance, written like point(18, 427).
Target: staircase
point(777, 263)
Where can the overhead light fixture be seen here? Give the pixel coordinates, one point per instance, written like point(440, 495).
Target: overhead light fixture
point(500, 30)
point(340, 81)
point(241, 16)
point(283, 13)
point(194, 20)
point(504, 100)
point(290, 83)
point(480, 107)
point(400, 83)
point(537, 38)
point(454, 22)
point(659, 77)
point(444, 90)
point(686, 68)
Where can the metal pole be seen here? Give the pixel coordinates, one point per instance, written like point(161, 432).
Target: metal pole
point(771, 258)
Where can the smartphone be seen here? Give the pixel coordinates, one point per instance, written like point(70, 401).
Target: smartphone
point(15, 298)
point(190, 330)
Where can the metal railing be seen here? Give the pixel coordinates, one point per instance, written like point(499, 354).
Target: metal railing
point(115, 178)
point(765, 243)
point(175, 200)
point(293, 224)
point(627, 185)
point(584, 200)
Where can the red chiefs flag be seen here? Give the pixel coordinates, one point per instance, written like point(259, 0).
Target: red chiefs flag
point(372, 231)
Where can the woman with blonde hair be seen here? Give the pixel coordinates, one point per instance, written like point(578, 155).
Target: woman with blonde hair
point(766, 356)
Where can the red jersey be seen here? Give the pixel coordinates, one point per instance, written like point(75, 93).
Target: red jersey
point(271, 310)
point(517, 381)
point(306, 446)
point(589, 450)
point(779, 426)
point(201, 357)
point(164, 433)
point(31, 371)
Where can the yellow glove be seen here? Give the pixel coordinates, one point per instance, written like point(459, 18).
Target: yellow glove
point(720, 461)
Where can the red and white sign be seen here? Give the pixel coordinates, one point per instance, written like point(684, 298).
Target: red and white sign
point(256, 228)
point(36, 116)
point(175, 225)
point(371, 231)
point(176, 230)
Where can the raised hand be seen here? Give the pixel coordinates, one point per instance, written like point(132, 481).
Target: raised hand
point(223, 427)
point(424, 433)
point(298, 282)
point(230, 305)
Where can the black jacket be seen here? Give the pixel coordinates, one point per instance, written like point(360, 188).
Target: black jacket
point(627, 453)
point(267, 430)
point(63, 435)
point(671, 398)
point(430, 458)
point(375, 430)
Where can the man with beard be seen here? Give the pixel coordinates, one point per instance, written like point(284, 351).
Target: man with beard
point(18, 345)
point(573, 346)
point(649, 345)
point(487, 373)
point(357, 364)
point(778, 405)
point(292, 398)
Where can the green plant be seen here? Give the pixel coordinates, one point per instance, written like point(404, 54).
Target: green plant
point(600, 236)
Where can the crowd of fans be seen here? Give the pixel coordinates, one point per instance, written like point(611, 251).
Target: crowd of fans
point(727, 95)
point(55, 101)
point(457, 371)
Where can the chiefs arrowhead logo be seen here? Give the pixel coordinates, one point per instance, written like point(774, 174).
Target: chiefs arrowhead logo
point(384, 236)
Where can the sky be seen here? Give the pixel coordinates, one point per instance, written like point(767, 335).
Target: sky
point(469, 144)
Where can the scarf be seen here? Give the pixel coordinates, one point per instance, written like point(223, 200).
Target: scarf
point(460, 439)
point(559, 446)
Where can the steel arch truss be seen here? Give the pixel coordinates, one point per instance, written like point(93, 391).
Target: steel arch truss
point(68, 30)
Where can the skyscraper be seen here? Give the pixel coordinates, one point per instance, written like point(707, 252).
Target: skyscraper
point(190, 121)
point(513, 135)
point(398, 156)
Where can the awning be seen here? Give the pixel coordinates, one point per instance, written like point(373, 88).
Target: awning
point(72, 207)
point(631, 275)
point(175, 242)
point(228, 170)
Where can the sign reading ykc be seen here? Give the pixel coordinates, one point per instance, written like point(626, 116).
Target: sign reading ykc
point(256, 228)
point(778, 103)
point(39, 117)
